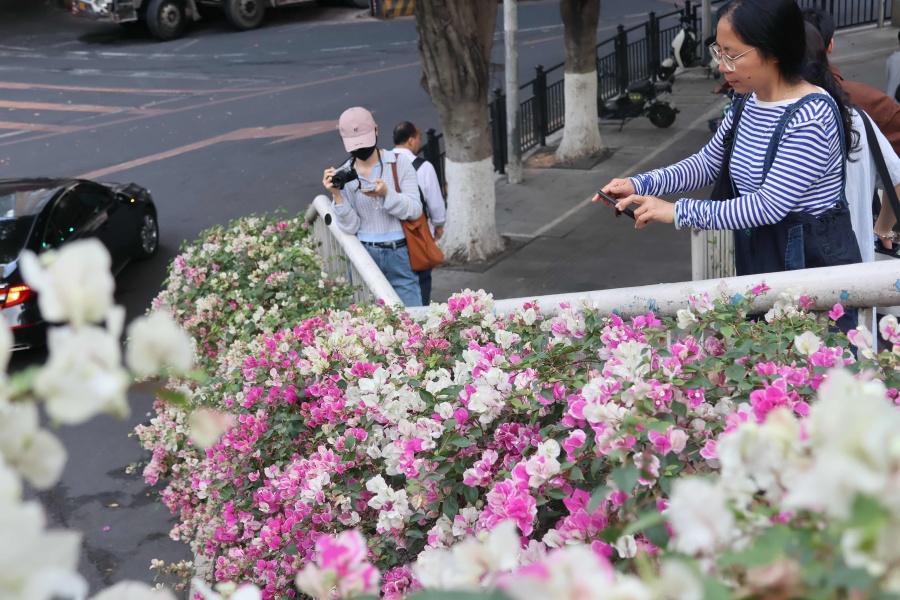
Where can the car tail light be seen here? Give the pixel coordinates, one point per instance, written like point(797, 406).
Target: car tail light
point(17, 294)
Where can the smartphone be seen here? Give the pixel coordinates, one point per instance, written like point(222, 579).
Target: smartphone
point(627, 212)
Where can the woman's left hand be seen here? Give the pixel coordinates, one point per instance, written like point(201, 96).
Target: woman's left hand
point(651, 209)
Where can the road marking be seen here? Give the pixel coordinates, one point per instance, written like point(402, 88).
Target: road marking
point(343, 48)
point(38, 127)
point(89, 108)
point(247, 96)
point(13, 85)
point(635, 168)
point(292, 131)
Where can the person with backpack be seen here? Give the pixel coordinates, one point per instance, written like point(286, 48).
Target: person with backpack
point(780, 172)
point(881, 107)
point(407, 141)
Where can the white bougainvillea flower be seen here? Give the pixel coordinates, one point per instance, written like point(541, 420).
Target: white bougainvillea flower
point(133, 590)
point(807, 343)
point(570, 573)
point(678, 582)
point(156, 341)
point(207, 426)
point(854, 433)
point(700, 517)
point(36, 453)
point(889, 328)
point(473, 562)
point(10, 484)
point(83, 375)
point(36, 564)
point(74, 284)
point(227, 591)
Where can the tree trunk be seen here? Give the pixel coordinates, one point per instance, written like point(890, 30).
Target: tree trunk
point(581, 135)
point(455, 41)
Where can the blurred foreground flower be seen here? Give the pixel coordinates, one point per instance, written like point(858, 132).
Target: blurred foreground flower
point(156, 342)
point(341, 569)
point(74, 285)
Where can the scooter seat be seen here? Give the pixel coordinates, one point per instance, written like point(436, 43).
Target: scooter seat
point(641, 87)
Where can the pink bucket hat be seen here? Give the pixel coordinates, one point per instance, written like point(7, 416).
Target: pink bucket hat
point(357, 128)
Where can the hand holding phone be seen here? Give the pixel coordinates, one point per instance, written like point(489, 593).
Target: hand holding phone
point(610, 200)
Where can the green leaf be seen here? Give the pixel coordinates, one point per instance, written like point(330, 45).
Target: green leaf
point(291, 550)
point(644, 521)
point(597, 497)
point(736, 372)
point(727, 331)
point(414, 533)
point(450, 507)
point(576, 475)
point(626, 478)
point(557, 494)
point(461, 441)
point(713, 589)
point(470, 494)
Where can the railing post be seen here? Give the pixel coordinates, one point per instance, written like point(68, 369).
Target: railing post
point(653, 38)
point(539, 89)
point(621, 49)
point(498, 130)
point(433, 155)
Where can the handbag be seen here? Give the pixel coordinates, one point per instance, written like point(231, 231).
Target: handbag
point(423, 252)
point(885, 176)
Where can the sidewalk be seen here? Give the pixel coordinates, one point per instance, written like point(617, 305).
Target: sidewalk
point(559, 242)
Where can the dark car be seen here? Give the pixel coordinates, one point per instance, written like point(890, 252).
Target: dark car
point(42, 214)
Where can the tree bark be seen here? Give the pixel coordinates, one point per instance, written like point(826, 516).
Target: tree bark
point(581, 135)
point(455, 41)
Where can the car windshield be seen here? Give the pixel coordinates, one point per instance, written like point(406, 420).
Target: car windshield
point(13, 236)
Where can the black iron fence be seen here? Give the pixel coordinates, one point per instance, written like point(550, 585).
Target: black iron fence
point(632, 55)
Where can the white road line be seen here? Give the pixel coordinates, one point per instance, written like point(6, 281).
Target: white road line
point(635, 168)
point(343, 48)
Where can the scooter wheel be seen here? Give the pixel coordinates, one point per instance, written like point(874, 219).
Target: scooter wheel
point(663, 73)
point(662, 115)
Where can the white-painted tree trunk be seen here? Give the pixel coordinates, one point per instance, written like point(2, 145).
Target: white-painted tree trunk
point(471, 230)
point(581, 135)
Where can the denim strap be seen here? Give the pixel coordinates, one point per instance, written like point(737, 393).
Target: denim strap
point(789, 113)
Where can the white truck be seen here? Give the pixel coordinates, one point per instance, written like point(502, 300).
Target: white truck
point(168, 19)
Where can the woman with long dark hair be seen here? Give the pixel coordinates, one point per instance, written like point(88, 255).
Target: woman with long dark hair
point(861, 170)
point(786, 204)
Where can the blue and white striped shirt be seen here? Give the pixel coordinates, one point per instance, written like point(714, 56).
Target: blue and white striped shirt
point(806, 176)
point(378, 219)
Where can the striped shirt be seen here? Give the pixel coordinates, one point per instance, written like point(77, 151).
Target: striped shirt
point(378, 219)
point(806, 175)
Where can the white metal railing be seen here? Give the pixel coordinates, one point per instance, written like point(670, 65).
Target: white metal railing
point(854, 286)
point(346, 258)
point(862, 286)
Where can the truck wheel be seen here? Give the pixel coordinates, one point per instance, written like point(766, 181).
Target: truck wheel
point(245, 14)
point(166, 19)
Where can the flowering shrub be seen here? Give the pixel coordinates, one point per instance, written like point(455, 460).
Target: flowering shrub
point(228, 288)
point(575, 428)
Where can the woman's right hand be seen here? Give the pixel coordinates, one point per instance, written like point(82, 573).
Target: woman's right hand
point(617, 188)
point(326, 181)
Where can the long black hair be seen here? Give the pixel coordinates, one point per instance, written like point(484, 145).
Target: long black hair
point(817, 71)
point(777, 30)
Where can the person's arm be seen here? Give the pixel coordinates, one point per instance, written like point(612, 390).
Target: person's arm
point(431, 189)
point(893, 74)
point(346, 216)
point(406, 204)
point(696, 171)
point(809, 150)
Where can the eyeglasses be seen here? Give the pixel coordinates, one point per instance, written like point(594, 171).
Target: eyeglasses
point(723, 58)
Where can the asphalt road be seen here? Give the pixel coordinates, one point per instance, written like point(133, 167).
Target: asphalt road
point(218, 125)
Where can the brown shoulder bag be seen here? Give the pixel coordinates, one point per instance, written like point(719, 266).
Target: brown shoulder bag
point(423, 252)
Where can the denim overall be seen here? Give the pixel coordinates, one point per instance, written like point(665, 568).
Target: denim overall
point(799, 240)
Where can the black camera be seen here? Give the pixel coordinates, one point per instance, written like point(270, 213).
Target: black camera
point(343, 176)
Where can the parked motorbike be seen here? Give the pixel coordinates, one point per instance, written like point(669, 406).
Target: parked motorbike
point(641, 99)
point(684, 49)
